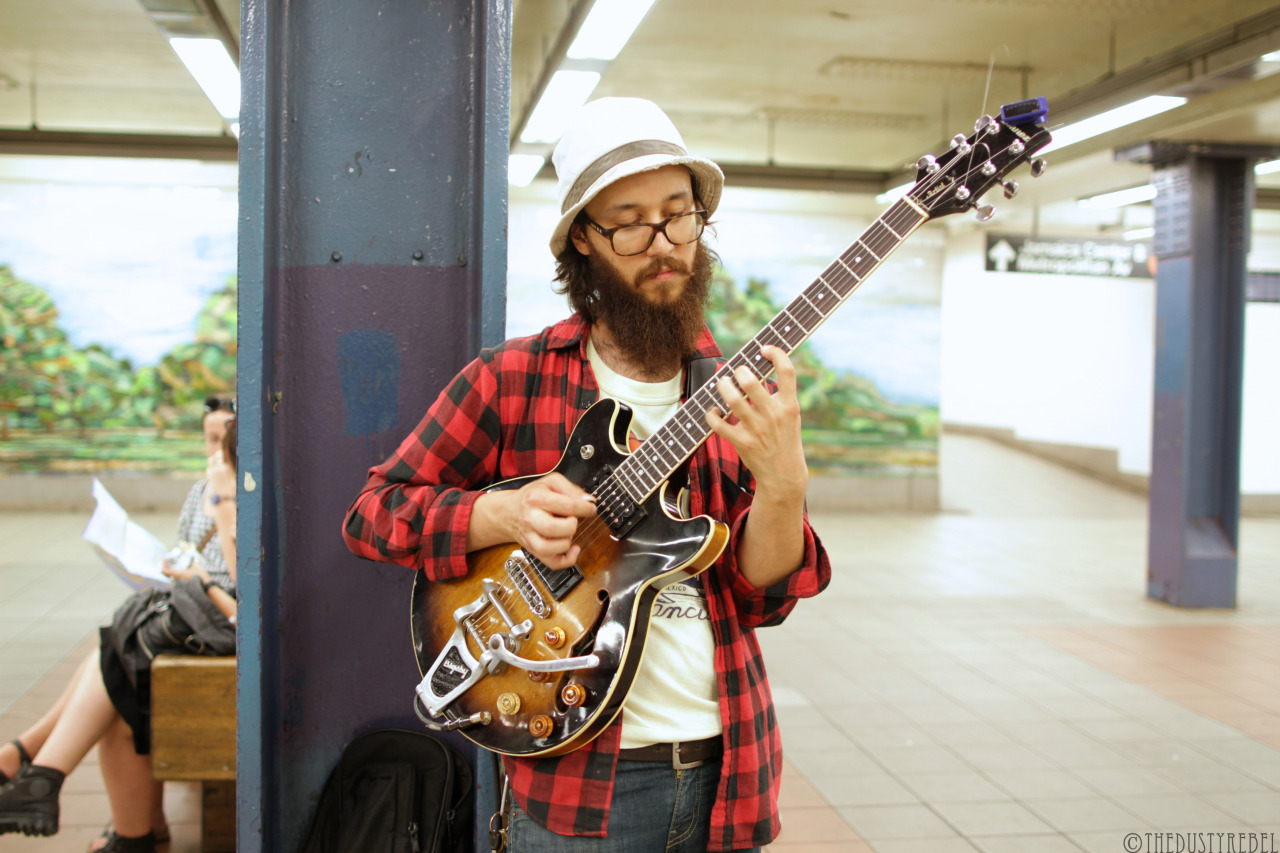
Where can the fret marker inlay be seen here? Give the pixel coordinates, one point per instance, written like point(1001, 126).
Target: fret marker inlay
point(643, 472)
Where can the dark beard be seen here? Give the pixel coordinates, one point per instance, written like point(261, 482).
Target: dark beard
point(655, 337)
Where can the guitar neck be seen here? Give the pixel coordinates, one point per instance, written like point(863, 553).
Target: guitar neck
point(663, 452)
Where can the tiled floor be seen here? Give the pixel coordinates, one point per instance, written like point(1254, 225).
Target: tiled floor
point(993, 678)
point(990, 678)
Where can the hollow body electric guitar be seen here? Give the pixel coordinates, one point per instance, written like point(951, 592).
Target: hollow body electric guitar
point(525, 660)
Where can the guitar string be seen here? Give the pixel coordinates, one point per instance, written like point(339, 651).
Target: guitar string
point(615, 496)
point(837, 283)
point(612, 497)
point(836, 278)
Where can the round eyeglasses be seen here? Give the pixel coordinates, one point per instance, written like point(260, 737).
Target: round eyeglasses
point(634, 239)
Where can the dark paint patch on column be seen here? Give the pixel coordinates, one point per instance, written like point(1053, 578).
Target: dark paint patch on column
point(369, 373)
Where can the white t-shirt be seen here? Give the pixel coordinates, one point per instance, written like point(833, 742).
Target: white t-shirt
point(673, 697)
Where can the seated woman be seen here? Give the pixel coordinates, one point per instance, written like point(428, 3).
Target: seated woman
point(103, 706)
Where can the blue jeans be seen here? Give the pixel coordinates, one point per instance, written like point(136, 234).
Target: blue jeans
point(655, 809)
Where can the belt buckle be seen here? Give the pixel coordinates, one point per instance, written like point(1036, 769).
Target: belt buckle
point(676, 763)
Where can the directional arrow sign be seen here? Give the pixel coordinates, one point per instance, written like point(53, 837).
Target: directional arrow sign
point(1002, 254)
point(1066, 256)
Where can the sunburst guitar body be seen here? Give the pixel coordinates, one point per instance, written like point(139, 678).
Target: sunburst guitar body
point(492, 645)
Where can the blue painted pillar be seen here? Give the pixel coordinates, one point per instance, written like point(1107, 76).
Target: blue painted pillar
point(372, 267)
point(1203, 206)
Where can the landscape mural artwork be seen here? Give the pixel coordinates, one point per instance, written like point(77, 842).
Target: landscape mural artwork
point(118, 318)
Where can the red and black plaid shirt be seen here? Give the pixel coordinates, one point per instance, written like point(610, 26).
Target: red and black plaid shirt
point(509, 414)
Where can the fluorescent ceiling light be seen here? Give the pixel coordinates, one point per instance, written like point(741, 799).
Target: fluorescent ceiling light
point(1119, 198)
point(1112, 119)
point(607, 28)
point(890, 196)
point(564, 96)
point(211, 65)
point(1268, 168)
point(1274, 56)
point(523, 168)
point(1140, 234)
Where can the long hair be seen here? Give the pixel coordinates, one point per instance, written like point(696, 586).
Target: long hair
point(229, 446)
point(573, 272)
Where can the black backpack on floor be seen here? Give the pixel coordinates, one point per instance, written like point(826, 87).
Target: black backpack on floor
point(395, 791)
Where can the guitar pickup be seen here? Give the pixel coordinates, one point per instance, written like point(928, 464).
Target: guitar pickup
point(560, 581)
point(617, 509)
point(621, 514)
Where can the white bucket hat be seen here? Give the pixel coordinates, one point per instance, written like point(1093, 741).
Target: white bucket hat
point(612, 138)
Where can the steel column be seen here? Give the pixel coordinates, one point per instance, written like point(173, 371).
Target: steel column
point(372, 267)
point(1203, 206)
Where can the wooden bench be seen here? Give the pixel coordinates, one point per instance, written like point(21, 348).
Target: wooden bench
point(193, 737)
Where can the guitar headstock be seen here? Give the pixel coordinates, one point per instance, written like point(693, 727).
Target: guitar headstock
point(954, 181)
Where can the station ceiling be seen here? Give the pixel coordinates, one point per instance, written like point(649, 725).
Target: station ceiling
point(812, 94)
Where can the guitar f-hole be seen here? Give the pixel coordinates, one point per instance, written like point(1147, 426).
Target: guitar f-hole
point(566, 686)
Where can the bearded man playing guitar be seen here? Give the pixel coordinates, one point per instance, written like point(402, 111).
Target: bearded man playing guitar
point(691, 761)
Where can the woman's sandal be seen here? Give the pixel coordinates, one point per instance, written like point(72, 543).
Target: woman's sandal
point(99, 844)
point(120, 844)
point(24, 758)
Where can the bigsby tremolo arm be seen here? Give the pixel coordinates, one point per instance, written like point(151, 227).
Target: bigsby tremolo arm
point(456, 670)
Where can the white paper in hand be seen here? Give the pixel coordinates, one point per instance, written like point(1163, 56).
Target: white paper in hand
point(125, 546)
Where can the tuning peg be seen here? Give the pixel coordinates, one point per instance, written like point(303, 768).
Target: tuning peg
point(960, 144)
point(983, 125)
point(988, 168)
point(962, 193)
point(984, 212)
point(929, 163)
point(1038, 166)
point(1010, 188)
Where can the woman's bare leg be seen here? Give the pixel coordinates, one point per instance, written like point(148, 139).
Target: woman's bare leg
point(84, 719)
point(34, 737)
point(134, 795)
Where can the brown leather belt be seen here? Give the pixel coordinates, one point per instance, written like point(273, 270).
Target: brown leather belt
point(683, 756)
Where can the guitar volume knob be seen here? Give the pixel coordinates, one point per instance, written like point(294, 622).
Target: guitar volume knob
point(554, 637)
point(508, 704)
point(573, 695)
point(541, 726)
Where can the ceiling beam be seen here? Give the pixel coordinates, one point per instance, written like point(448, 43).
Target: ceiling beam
point(1266, 198)
point(803, 178)
point(763, 176)
point(160, 146)
point(1208, 56)
point(222, 28)
point(551, 63)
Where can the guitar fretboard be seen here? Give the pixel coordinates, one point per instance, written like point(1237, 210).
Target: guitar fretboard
point(662, 453)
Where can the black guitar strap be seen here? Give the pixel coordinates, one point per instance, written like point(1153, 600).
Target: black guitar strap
point(698, 372)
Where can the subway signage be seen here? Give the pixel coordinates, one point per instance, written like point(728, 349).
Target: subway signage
point(1068, 256)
